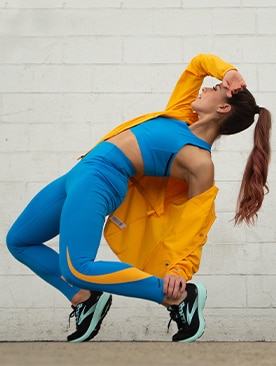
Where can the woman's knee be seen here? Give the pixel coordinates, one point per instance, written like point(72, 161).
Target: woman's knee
point(13, 242)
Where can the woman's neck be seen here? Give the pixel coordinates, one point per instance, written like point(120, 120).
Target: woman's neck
point(206, 131)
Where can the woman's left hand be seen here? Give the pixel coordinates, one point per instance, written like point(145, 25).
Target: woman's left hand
point(233, 82)
point(173, 286)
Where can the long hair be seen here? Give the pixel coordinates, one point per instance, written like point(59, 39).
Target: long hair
point(254, 181)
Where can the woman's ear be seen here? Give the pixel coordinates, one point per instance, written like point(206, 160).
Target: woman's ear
point(224, 108)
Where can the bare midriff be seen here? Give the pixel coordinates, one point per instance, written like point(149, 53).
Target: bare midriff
point(127, 143)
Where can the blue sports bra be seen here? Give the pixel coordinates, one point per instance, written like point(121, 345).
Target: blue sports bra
point(160, 139)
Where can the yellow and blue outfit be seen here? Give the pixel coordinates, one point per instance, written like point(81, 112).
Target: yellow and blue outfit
point(152, 226)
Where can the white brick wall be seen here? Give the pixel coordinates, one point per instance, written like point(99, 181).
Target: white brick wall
point(72, 70)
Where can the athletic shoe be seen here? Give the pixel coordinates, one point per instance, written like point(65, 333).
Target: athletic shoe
point(89, 316)
point(188, 315)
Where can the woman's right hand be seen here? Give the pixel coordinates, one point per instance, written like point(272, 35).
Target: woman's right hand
point(233, 82)
point(173, 286)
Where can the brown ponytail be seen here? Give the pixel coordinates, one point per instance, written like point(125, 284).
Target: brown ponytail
point(254, 181)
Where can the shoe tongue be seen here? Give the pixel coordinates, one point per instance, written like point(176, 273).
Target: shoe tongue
point(188, 297)
point(173, 308)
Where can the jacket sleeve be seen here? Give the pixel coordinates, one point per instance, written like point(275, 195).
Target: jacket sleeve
point(188, 86)
point(189, 265)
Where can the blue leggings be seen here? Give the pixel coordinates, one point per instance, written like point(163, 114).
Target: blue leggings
point(75, 207)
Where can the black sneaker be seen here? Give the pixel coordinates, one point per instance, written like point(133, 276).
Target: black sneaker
point(188, 315)
point(89, 316)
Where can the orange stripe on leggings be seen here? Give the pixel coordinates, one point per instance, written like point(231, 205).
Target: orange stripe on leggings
point(123, 276)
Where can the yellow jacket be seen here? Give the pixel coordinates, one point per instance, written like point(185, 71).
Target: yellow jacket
point(157, 229)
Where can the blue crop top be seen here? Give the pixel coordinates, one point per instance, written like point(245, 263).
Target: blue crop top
point(160, 139)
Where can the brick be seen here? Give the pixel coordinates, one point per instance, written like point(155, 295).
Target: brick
point(260, 42)
point(41, 166)
point(152, 50)
point(45, 78)
point(231, 21)
point(31, 50)
point(121, 79)
point(31, 108)
point(222, 290)
point(223, 230)
point(225, 169)
point(92, 50)
point(265, 77)
point(265, 21)
point(27, 22)
point(181, 22)
point(210, 4)
point(152, 4)
point(60, 4)
point(227, 190)
point(261, 291)
point(259, 4)
point(215, 44)
point(31, 4)
point(239, 324)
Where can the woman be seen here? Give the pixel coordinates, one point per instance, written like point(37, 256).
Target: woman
point(154, 178)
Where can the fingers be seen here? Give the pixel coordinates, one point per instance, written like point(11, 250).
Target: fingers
point(173, 286)
point(231, 90)
point(234, 88)
point(228, 92)
point(233, 83)
point(237, 89)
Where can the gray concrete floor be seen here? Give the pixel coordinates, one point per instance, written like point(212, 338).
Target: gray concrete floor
point(138, 353)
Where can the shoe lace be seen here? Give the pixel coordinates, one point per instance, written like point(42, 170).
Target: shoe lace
point(76, 309)
point(177, 314)
point(75, 313)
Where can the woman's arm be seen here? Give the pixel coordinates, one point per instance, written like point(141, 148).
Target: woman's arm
point(189, 83)
point(201, 178)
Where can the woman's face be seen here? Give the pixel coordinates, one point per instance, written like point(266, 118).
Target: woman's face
point(210, 99)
